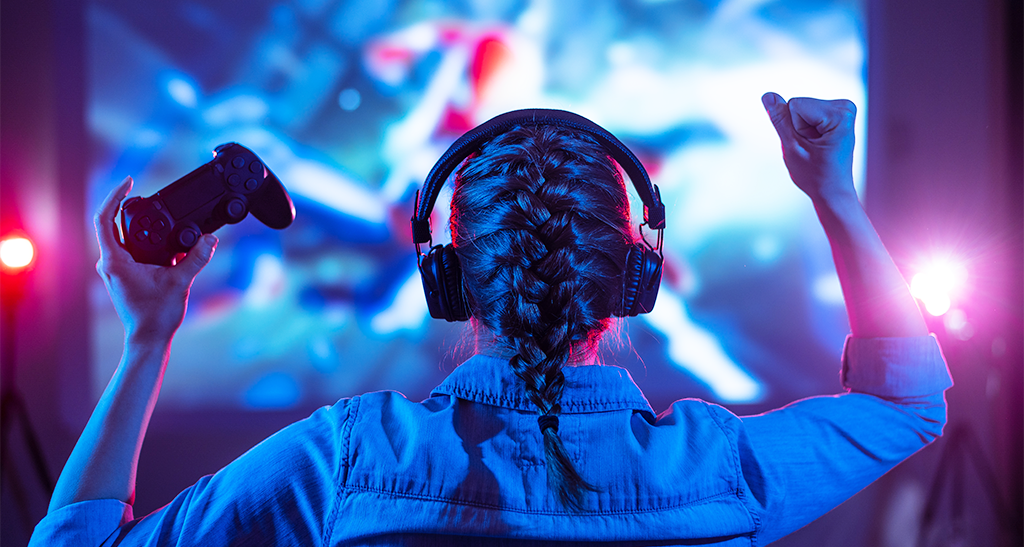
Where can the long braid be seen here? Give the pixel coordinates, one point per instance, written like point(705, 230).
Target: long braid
point(540, 223)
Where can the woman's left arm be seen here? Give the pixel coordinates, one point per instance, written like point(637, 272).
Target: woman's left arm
point(151, 302)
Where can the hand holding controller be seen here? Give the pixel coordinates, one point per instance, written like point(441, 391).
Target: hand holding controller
point(222, 191)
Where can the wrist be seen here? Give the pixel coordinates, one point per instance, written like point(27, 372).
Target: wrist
point(148, 339)
point(836, 198)
point(146, 356)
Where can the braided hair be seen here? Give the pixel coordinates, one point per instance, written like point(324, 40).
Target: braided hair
point(540, 224)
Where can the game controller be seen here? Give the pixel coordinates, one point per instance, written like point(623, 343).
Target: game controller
point(223, 191)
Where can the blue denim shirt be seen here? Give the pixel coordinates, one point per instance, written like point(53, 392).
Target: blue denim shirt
point(466, 466)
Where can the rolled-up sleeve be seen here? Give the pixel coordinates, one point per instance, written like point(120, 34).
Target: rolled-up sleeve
point(278, 493)
point(82, 523)
point(802, 460)
point(895, 368)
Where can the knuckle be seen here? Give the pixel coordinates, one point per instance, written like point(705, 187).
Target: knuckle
point(103, 268)
point(801, 102)
point(846, 108)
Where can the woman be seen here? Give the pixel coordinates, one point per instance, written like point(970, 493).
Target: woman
point(522, 441)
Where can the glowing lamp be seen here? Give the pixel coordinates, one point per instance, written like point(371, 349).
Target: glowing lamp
point(16, 253)
point(936, 285)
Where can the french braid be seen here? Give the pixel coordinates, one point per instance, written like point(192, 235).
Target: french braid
point(540, 223)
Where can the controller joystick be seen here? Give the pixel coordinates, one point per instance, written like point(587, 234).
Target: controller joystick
point(223, 191)
point(234, 209)
point(188, 236)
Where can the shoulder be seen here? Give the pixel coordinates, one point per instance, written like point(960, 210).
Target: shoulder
point(697, 411)
point(383, 417)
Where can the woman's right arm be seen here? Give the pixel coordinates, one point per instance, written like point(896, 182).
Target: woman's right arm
point(802, 460)
point(817, 145)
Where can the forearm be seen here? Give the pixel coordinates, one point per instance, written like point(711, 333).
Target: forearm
point(878, 301)
point(103, 463)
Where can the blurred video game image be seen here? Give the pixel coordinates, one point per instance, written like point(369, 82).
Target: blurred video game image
point(350, 103)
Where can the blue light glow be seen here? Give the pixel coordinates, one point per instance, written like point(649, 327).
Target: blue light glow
point(351, 103)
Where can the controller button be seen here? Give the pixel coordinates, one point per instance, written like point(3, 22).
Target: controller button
point(141, 235)
point(234, 179)
point(155, 238)
point(256, 167)
point(145, 222)
point(251, 184)
point(238, 162)
point(159, 225)
point(158, 206)
point(188, 237)
point(218, 167)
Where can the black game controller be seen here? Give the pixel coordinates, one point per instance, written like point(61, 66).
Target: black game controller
point(223, 191)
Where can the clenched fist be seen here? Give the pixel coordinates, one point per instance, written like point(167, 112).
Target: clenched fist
point(817, 142)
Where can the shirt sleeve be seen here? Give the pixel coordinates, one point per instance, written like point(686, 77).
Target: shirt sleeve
point(281, 491)
point(802, 460)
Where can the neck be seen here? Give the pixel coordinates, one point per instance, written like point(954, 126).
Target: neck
point(487, 343)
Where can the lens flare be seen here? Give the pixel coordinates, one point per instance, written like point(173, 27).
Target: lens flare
point(937, 285)
point(16, 252)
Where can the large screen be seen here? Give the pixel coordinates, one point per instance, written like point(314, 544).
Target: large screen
point(351, 102)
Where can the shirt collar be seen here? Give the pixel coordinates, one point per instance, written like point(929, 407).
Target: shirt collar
point(590, 388)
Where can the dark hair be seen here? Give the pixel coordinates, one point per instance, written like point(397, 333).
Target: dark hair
point(540, 223)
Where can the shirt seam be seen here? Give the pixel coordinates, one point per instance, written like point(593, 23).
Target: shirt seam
point(351, 409)
point(510, 509)
point(735, 457)
point(521, 404)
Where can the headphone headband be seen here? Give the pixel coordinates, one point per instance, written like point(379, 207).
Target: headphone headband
point(654, 209)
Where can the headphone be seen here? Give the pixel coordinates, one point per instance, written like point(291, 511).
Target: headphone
point(439, 268)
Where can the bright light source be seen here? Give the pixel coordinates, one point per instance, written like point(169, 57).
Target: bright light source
point(936, 285)
point(16, 252)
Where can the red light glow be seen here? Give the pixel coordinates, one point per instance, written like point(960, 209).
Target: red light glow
point(16, 253)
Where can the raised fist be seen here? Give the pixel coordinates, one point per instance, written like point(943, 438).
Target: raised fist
point(817, 142)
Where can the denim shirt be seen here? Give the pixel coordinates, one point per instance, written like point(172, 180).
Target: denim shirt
point(466, 466)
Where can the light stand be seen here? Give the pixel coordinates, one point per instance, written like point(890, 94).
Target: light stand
point(12, 409)
point(961, 450)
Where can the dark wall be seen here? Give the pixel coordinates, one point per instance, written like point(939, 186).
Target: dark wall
point(1012, 406)
point(29, 199)
point(944, 174)
point(943, 168)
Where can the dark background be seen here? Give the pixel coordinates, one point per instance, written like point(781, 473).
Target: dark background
point(944, 164)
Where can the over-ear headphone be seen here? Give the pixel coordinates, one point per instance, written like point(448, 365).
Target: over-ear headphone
point(439, 268)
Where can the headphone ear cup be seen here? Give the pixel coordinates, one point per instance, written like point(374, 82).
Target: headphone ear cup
point(641, 281)
point(650, 281)
point(431, 285)
point(454, 291)
point(442, 284)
